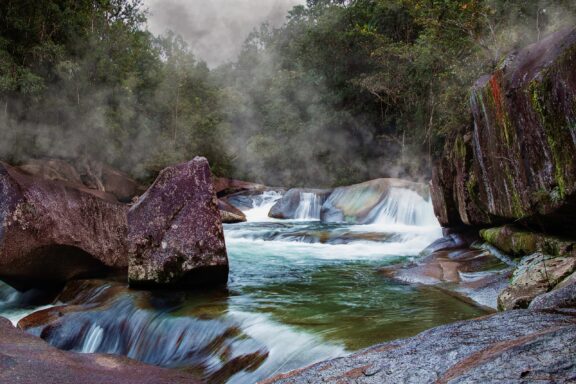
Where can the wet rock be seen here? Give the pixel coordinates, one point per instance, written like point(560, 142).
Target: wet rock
point(175, 230)
point(355, 203)
point(520, 242)
point(229, 213)
point(536, 274)
point(472, 274)
point(52, 231)
point(288, 206)
point(516, 162)
point(515, 346)
point(26, 359)
point(168, 329)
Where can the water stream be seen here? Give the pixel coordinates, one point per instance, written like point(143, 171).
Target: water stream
point(300, 291)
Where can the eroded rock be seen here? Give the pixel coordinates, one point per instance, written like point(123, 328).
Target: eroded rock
point(52, 231)
point(515, 346)
point(26, 359)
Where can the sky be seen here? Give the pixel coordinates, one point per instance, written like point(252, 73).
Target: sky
point(215, 29)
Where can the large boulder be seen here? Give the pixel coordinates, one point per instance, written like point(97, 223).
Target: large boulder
point(510, 347)
point(358, 203)
point(300, 203)
point(54, 231)
point(175, 230)
point(26, 359)
point(516, 162)
point(112, 183)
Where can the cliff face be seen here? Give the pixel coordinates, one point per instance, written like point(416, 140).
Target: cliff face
point(517, 161)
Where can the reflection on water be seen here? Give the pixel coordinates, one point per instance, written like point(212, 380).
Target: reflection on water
point(299, 292)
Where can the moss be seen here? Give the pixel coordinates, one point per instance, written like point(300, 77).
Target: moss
point(519, 242)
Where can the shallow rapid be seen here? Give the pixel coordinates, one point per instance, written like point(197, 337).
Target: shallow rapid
point(299, 292)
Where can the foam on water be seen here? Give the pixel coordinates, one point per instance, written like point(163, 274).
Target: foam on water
point(262, 205)
point(309, 207)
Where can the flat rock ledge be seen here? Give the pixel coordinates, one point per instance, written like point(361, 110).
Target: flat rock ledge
point(26, 359)
point(518, 346)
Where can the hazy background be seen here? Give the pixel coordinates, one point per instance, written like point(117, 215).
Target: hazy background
point(215, 29)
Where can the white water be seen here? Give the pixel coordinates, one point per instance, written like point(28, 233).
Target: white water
point(309, 207)
point(404, 207)
point(93, 339)
point(262, 205)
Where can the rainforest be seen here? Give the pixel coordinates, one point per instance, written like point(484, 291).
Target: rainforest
point(287, 191)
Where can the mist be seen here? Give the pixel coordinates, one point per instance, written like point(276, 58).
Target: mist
point(215, 29)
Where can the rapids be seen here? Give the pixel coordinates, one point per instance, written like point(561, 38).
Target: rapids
point(300, 291)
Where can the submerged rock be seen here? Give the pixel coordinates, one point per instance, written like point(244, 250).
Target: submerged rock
point(517, 160)
point(175, 230)
point(300, 203)
point(515, 346)
point(168, 329)
point(26, 359)
point(362, 203)
point(53, 231)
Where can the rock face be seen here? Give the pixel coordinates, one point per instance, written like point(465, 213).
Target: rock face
point(175, 230)
point(25, 359)
point(517, 160)
point(297, 203)
point(54, 231)
point(511, 347)
point(355, 203)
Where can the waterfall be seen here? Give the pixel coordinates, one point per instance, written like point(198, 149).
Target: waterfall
point(403, 207)
point(309, 207)
point(261, 206)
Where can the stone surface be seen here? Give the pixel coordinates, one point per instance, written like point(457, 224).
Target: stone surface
point(175, 230)
point(354, 203)
point(563, 296)
point(520, 242)
point(472, 274)
point(112, 183)
point(536, 274)
point(224, 186)
point(512, 347)
point(52, 231)
point(229, 213)
point(286, 207)
point(26, 359)
point(517, 160)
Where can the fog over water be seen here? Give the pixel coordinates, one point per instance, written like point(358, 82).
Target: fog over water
point(215, 29)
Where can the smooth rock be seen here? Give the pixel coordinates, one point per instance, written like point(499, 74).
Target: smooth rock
point(287, 206)
point(229, 213)
point(353, 204)
point(52, 231)
point(26, 359)
point(175, 230)
point(511, 347)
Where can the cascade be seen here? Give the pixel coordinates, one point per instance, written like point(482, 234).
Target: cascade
point(309, 207)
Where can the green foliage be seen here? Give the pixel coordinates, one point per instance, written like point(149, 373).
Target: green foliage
point(344, 91)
